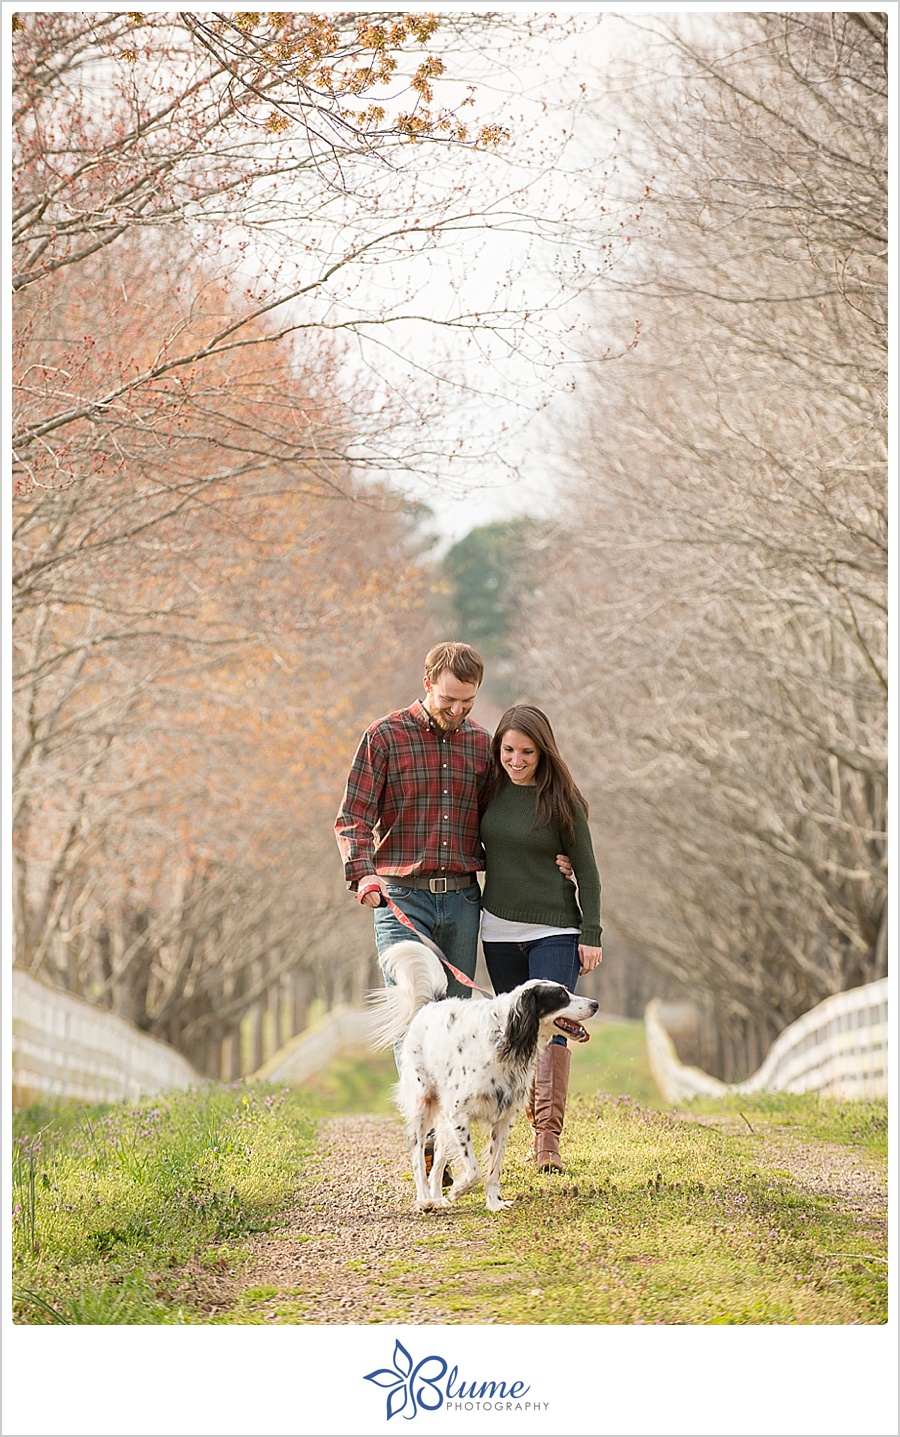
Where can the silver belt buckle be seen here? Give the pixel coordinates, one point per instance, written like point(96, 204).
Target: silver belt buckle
point(437, 885)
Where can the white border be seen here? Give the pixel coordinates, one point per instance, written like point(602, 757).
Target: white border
point(637, 1382)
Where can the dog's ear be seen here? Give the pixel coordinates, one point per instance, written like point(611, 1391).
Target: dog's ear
point(535, 1001)
point(550, 998)
point(520, 1038)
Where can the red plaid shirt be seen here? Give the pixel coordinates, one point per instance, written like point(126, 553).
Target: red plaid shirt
point(411, 804)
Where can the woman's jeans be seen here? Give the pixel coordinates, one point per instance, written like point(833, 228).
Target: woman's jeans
point(451, 920)
point(554, 958)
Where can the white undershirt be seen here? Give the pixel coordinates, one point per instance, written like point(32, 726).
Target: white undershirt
point(506, 930)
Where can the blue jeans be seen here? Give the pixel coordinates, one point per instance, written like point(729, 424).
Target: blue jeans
point(554, 958)
point(451, 920)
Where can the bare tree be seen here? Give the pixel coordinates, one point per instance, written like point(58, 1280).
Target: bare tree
point(192, 619)
point(220, 222)
point(298, 162)
point(728, 678)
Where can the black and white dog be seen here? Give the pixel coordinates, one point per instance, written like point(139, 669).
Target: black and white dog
point(462, 1059)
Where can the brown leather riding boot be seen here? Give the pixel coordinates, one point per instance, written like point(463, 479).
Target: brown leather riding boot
point(551, 1084)
point(529, 1113)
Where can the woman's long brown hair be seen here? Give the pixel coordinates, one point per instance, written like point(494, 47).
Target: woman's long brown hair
point(557, 792)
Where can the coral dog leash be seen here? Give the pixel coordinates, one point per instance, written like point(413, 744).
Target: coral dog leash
point(407, 923)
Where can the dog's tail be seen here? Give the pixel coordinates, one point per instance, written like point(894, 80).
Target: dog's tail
point(418, 978)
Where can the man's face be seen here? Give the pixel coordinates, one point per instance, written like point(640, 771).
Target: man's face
point(448, 700)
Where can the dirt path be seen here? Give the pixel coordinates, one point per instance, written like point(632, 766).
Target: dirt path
point(354, 1220)
point(826, 1169)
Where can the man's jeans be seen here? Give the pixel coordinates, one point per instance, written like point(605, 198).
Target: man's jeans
point(451, 920)
point(554, 958)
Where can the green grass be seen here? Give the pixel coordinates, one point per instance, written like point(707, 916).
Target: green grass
point(357, 1082)
point(862, 1124)
point(121, 1212)
point(657, 1220)
point(108, 1202)
point(614, 1062)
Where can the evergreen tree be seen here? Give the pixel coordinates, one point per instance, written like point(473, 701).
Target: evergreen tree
point(490, 573)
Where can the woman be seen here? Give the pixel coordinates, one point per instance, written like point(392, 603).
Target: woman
point(533, 925)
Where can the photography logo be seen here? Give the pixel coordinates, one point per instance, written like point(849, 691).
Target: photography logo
point(431, 1384)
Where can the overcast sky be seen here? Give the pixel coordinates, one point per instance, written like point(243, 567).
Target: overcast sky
point(539, 99)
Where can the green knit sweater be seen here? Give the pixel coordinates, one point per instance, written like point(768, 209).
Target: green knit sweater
point(523, 882)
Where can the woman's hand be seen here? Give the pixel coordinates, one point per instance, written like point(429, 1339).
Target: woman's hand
point(590, 958)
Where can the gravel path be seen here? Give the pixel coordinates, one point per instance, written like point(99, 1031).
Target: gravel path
point(826, 1169)
point(354, 1220)
point(356, 1214)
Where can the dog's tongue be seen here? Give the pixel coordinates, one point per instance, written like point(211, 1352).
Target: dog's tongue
point(573, 1030)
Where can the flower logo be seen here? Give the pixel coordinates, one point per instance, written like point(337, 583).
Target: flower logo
point(411, 1386)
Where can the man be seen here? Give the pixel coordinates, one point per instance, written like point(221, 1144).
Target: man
point(408, 823)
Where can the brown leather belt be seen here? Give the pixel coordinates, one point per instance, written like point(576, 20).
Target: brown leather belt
point(446, 883)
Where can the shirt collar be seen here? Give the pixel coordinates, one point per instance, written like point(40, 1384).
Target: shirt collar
point(421, 714)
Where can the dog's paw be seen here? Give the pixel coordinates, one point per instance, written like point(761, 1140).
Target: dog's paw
point(495, 1202)
point(459, 1189)
point(430, 1204)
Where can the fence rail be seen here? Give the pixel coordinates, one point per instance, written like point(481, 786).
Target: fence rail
point(838, 1048)
point(65, 1048)
point(309, 1052)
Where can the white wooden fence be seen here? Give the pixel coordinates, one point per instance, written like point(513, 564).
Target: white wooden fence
point(839, 1049)
point(309, 1052)
point(64, 1048)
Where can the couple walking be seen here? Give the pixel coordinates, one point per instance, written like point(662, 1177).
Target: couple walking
point(431, 800)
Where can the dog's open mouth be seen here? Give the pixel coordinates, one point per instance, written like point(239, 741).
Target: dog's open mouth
point(572, 1030)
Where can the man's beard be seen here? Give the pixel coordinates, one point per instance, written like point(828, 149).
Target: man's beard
point(446, 722)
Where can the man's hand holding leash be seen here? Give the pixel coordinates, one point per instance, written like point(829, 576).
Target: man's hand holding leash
point(370, 892)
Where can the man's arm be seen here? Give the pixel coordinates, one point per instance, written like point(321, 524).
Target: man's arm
point(359, 813)
point(588, 876)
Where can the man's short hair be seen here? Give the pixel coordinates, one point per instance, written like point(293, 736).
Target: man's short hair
point(461, 659)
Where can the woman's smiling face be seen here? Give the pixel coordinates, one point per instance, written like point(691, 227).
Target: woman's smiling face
point(519, 755)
